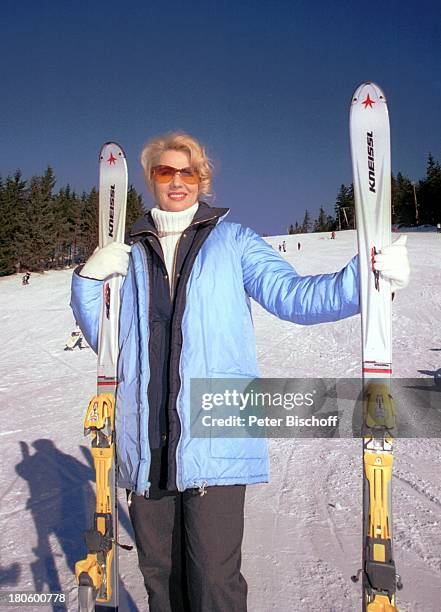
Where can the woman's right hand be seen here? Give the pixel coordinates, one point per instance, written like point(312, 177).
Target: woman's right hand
point(111, 259)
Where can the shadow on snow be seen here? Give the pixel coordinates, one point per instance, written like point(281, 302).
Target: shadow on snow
point(61, 502)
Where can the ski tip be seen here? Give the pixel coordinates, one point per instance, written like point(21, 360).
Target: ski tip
point(367, 95)
point(110, 152)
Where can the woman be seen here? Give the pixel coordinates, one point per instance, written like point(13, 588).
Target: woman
point(185, 314)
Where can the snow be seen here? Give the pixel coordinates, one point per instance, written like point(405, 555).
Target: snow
point(303, 530)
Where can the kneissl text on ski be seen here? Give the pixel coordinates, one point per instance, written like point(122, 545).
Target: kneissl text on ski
point(370, 148)
point(97, 575)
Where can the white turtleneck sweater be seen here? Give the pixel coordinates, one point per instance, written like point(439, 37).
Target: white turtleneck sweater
point(170, 226)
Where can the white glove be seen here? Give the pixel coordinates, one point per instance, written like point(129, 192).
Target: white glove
point(111, 259)
point(393, 263)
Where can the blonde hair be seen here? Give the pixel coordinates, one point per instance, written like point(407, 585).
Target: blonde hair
point(178, 141)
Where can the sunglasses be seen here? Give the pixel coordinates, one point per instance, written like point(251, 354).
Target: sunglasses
point(164, 174)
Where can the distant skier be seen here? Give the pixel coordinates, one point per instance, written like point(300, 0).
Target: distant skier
point(284, 246)
point(280, 247)
point(332, 235)
point(25, 279)
point(76, 340)
point(299, 246)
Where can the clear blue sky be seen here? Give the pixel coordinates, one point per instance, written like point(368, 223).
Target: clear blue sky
point(266, 85)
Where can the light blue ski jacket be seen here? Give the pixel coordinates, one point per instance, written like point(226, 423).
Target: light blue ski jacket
point(218, 341)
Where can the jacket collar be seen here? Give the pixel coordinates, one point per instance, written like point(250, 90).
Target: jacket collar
point(204, 213)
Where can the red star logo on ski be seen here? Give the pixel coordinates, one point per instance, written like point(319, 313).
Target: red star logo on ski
point(368, 102)
point(111, 159)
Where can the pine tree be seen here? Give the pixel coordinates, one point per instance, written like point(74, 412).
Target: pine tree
point(87, 237)
point(345, 207)
point(135, 207)
point(429, 194)
point(321, 223)
point(12, 203)
point(306, 225)
point(403, 200)
point(35, 233)
point(66, 221)
point(331, 223)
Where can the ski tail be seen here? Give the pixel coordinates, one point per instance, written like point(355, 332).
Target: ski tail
point(98, 574)
point(379, 573)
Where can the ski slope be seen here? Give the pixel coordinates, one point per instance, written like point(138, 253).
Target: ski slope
point(303, 530)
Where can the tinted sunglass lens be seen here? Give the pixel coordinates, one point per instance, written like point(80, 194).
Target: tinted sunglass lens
point(164, 174)
point(189, 176)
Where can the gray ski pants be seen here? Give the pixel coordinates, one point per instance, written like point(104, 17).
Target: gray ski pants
point(189, 549)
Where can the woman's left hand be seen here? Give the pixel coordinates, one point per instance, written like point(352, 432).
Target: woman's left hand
point(393, 263)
